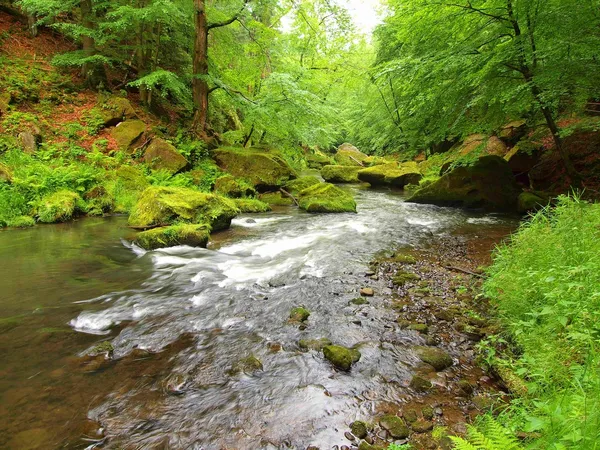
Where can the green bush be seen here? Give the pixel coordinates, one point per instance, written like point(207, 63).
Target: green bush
point(545, 284)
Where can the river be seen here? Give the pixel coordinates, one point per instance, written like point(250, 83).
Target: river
point(181, 319)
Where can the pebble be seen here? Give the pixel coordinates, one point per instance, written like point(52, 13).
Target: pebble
point(367, 292)
point(349, 436)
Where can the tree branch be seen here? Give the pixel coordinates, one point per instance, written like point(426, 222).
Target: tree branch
point(471, 8)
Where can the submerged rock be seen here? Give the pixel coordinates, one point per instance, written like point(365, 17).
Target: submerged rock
point(488, 183)
point(264, 170)
point(391, 175)
point(367, 292)
point(162, 206)
point(341, 174)
point(435, 357)
point(395, 426)
point(60, 207)
point(341, 357)
point(326, 198)
point(248, 365)
point(161, 155)
point(186, 234)
point(314, 344)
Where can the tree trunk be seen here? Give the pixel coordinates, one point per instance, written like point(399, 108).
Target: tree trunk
point(200, 69)
point(94, 74)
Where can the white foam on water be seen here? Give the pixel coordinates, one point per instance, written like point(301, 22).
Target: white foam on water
point(483, 220)
point(92, 323)
point(257, 222)
point(423, 222)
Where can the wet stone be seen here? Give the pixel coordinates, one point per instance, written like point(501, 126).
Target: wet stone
point(422, 426)
point(395, 426)
point(341, 357)
point(437, 358)
point(349, 436)
point(359, 429)
point(420, 384)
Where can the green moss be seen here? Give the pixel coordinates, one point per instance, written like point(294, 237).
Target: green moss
point(21, 222)
point(112, 111)
point(251, 205)
point(420, 384)
point(161, 155)
point(359, 301)
point(401, 278)
point(341, 174)
point(102, 347)
point(327, 198)
point(404, 258)
point(60, 207)
point(317, 159)
point(264, 170)
point(395, 426)
point(295, 186)
point(391, 175)
point(341, 357)
point(299, 314)
point(161, 206)
point(248, 365)
point(359, 429)
point(276, 199)
point(531, 201)
point(230, 186)
point(99, 201)
point(435, 357)
point(349, 155)
point(186, 234)
point(128, 133)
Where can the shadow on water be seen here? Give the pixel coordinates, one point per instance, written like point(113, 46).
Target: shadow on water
point(181, 319)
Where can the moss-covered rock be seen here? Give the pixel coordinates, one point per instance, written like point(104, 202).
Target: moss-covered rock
point(299, 184)
point(299, 314)
point(99, 201)
point(163, 206)
point(341, 174)
point(248, 365)
point(359, 429)
point(420, 384)
point(341, 357)
point(276, 199)
point(60, 207)
point(132, 178)
point(395, 426)
point(6, 175)
point(326, 198)
point(314, 344)
point(128, 133)
point(531, 201)
point(251, 205)
point(401, 278)
point(435, 357)
point(160, 155)
point(114, 110)
point(495, 146)
point(349, 155)
point(524, 156)
point(316, 159)
point(359, 301)
point(488, 183)
point(391, 175)
point(230, 186)
point(264, 170)
point(186, 234)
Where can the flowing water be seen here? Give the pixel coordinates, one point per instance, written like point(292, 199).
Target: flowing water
point(181, 319)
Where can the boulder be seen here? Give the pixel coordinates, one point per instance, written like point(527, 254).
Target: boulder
point(264, 170)
point(512, 132)
point(132, 178)
point(248, 365)
point(391, 175)
point(395, 426)
point(187, 234)
point(531, 201)
point(296, 186)
point(161, 155)
point(341, 357)
point(341, 174)
point(299, 314)
point(488, 183)
point(29, 140)
point(523, 157)
point(251, 205)
point(163, 206)
point(316, 159)
point(230, 186)
point(435, 357)
point(326, 198)
point(114, 110)
point(349, 155)
point(60, 207)
point(495, 146)
point(128, 133)
point(359, 429)
point(276, 199)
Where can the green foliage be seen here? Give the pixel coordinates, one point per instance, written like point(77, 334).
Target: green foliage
point(399, 447)
point(487, 435)
point(544, 284)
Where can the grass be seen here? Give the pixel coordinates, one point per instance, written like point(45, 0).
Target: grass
point(545, 284)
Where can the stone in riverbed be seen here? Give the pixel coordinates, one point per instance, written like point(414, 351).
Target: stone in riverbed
point(391, 175)
point(349, 155)
point(395, 426)
point(192, 235)
point(367, 292)
point(314, 344)
point(401, 278)
point(326, 198)
point(341, 357)
point(359, 301)
point(435, 357)
point(422, 426)
point(299, 314)
point(341, 174)
point(248, 365)
point(359, 429)
point(420, 384)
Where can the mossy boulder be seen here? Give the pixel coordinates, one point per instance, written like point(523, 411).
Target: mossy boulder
point(435, 357)
point(299, 184)
point(128, 133)
point(314, 344)
point(6, 175)
point(531, 201)
point(359, 429)
point(299, 314)
point(264, 170)
point(341, 174)
point(230, 186)
point(60, 207)
point(488, 183)
point(391, 175)
point(251, 205)
point(186, 234)
point(341, 357)
point(114, 110)
point(161, 155)
point(495, 146)
point(349, 155)
point(524, 156)
point(163, 206)
point(420, 384)
point(132, 178)
point(99, 201)
point(326, 198)
point(395, 426)
point(316, 159)
point(276, 199)
point(249, 365)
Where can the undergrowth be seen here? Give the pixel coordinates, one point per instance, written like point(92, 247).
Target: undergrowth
point(545, 284)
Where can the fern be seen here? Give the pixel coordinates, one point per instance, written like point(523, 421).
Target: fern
point(488, 435)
